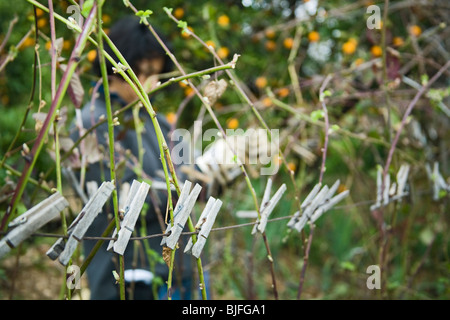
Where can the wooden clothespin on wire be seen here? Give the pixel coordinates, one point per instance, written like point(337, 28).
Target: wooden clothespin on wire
point(267, 206)
point(26, 224)
point(318, 201)
point(136, 199)
point(82, 223)
point(204, 227)
point(181, 213)
point(391, 192)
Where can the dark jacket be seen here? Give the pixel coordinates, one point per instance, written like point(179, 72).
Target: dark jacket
point(100, 277)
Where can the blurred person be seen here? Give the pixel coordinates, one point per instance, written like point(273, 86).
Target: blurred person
point(147, 59)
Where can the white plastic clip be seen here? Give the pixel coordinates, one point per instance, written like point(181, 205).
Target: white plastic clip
point(393, 192)
point(32, 220)
point(437, 179)
point(181, 213)
point(129, 221)
point(204, 224)
point(85, 219)
point(315, 204)
point(267, 206)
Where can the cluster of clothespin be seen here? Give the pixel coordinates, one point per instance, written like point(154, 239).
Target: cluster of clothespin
point(266, 208)
point(63, 250)
point(29, 222)
point(318, 201)
point(438, 180)
point(391, 192)
point(181, 213)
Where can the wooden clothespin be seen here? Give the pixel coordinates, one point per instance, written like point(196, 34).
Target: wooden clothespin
point(438, 180)
point(315, 204)
point(181, 213)
point(130, 218)
point(267, 206)
point(310, 208)
point(85, 219)
point(55, 250)
point(125, 208)
point(32, 220)
point(391, 192)
point(204, 226)
point(180, 205)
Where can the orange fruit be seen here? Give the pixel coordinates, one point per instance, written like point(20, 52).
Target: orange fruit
point(178, 13)
point(267, 102)
point(288, 43)
point(376, 51)
point(232, 123)
point(28, 42)
point(349, 47)
point(106, 19)
point(66, 44)
point(223, 20)
point(261, 82)
point(270, 45)
point(283, 92)
point(186, 34)
point(398, 41)
point(39, 12)
point(42, 22)
point(359, 61)
point(210, 43)
point(291, 166)
point(188, 91)
point(171, 117)
point(415, 30)
point(313, 36)
point(91, 55)
point(223, 52)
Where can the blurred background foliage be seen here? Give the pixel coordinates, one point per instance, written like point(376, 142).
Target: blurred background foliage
point(333, 39)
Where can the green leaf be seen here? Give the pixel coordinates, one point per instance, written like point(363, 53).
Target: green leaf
point(335, 127)
point(87, 6)
point(326, 93)
point(347, 265)
point(168, 10)
point(316, 115)
point(424, 79)
point(144, 15)
point(182, 24)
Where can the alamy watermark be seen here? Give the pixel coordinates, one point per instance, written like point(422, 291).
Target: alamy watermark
point(251, 146)
point(73, 275)
point(76, 16)
point(374, 280)
point(374, 21)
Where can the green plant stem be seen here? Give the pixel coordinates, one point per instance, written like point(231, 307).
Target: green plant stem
point(109, 116)
point(37, 147)
point(33, 87)
point(164, 150)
